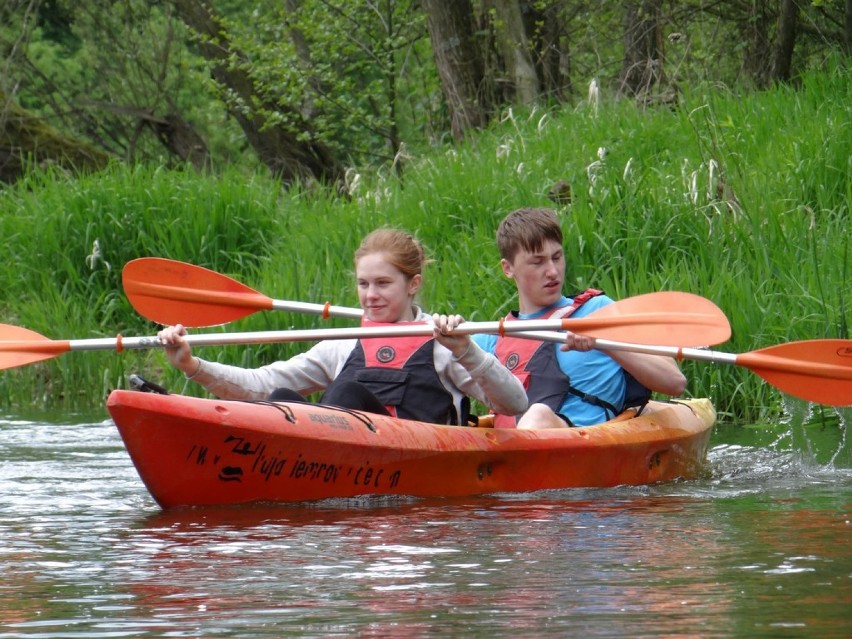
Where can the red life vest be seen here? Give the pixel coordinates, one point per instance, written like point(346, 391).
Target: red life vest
point(535, 363)
point(400, 371)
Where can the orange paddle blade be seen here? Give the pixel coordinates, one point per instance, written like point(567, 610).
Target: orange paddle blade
point(816, 370)
point(666, 318)
point(170, 292)
point(21, 346)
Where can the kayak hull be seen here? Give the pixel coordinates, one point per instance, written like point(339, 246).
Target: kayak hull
point(202, 452)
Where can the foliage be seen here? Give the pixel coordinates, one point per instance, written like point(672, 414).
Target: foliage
point(108, 75)
point(707, 198)
point(362, 72)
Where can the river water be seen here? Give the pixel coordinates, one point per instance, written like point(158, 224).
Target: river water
point(758, 547)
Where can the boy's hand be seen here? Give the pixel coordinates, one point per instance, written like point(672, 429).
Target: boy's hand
point(574, 342)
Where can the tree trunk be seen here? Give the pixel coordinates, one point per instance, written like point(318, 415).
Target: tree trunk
point(515, 47)
point(787, 21)
point(642, 65)
point(848, 30)
point(394, 139)
point(459, 62)
point(290, 152)
point(757, 60)
point(303, 53)
point(181, 139)
point(26, 142)
point(551, 56)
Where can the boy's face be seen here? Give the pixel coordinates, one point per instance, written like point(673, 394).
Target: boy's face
point(538, 275)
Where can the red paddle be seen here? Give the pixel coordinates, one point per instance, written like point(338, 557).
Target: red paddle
point(171, 292)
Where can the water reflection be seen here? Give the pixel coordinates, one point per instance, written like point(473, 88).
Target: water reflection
point(604, 555)
point(792, 559)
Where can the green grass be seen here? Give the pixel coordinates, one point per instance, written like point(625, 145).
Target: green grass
point(764, 232)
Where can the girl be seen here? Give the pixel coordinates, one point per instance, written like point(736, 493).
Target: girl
point(426, 378)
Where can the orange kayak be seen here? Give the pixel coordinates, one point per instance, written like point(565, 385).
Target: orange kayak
point(198, 452)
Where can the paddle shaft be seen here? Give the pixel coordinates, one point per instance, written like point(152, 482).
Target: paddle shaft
point(521, 329)
point(816, 370)
point(46, 346)
point(326, 310)
point(775, 359)
point(670, 351)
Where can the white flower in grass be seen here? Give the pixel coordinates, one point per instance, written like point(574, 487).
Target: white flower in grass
point(401, 156)
point(687, 178)
point(509, 117)
point(383, 195)
point(352, 179)
point(693, 187)
point(628, 169)
point(812, 215)
point(594, 95)
point(592, 171)
point(712, 178)
point(96, 256)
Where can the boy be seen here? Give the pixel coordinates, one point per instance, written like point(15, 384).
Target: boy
point(569, 384)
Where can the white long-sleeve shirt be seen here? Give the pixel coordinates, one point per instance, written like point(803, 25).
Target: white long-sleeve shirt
point(477, 374)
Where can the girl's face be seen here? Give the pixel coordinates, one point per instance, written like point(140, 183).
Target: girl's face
point(385, 293)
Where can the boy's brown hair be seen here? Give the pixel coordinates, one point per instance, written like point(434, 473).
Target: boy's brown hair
point(527, 229)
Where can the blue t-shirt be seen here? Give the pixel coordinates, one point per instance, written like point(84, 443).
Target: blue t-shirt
point(592, 372)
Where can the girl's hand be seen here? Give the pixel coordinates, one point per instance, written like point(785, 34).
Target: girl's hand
point(459, 344)
point(178, 350)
